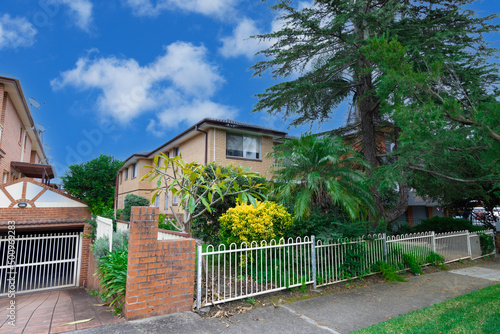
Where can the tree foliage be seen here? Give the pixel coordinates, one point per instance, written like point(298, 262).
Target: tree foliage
point(321, 171)
point(130, 201)
point(207, 225)
point(451, 129)
point(200, 187)
point(322, 50)
point(93, 181)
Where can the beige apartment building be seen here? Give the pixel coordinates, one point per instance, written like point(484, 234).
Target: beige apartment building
point(21, 150)
point(210, 140)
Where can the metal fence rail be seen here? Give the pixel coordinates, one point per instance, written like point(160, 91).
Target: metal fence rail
point(336, 260)
point(252, 270)
point(42, 261)
point(226, 274)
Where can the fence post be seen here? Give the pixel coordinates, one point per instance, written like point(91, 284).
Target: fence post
point(433, 234)
point(468, 245)
point(313, 256)
point(198, 277)
point(384, 243)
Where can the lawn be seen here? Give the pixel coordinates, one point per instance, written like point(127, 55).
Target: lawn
point(476, 312)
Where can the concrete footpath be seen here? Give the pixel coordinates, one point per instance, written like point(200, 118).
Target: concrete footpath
point(335, 313)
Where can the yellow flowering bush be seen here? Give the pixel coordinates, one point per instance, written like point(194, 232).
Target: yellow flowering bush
point(247, 223)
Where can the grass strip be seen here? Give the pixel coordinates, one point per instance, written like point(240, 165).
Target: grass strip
point(476, 312)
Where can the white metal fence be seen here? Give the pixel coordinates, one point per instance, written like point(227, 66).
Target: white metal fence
point(39, 262)
point(225, 274)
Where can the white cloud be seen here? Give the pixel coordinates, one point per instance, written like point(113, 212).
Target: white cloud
point(189, 113)
point(16, 32)
point(240, 43)
point(80, 10)
point(180, 83)
point(216, 8)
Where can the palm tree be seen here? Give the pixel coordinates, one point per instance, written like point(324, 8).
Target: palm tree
point(320, 170)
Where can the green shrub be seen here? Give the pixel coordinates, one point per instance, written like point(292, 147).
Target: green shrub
point(436, 260)
point(246, 223)
point(330, 225)
point(486, 243)
point(353, 261)
point(92, 230)
point(446, 224)
point(412, 263)
point(398, 228)
point(130, 201)
point(100, 247)
point(165, 224)
point(112, 272)
point(388, 271)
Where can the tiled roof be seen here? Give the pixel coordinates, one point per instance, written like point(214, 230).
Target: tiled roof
point(214, 121)
point(230, 122)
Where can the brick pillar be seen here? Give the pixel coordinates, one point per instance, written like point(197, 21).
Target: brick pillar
point(409, 215)
point(429, 211)
point(160, 273)
point(86, 253)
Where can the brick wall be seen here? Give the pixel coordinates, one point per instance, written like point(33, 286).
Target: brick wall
point(91, 280)
point(86, 255)
point(217, 153)
point(160, 273)
point(11, 141)
point(45, 215)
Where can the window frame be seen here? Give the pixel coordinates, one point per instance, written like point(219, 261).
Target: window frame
point(258, 153)
point(134, 170)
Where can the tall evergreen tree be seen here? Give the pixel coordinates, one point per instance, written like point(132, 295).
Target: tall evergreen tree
point(326, 44)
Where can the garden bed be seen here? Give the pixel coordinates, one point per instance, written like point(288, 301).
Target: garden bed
point(292, 295)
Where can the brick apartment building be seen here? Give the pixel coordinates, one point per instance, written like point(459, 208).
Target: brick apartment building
point(21, 150)
point(45, 223)
point(210, 140)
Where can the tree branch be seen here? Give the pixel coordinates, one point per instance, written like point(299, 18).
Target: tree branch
point(446, 176)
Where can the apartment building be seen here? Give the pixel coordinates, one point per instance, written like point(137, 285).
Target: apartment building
point(210, 140)
point(21, 150)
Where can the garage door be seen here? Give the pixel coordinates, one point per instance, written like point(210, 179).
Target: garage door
point(39, 262)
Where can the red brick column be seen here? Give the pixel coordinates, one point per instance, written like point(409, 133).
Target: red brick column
point(86, 254)
point(160, 273)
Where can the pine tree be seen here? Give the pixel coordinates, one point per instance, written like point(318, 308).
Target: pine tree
point(327, 45)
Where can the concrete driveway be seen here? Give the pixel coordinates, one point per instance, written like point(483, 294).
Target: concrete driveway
point(49, 312)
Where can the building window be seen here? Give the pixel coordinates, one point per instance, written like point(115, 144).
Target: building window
point(1, 131)
point(176, 151)
point(121, 177)
point(157, 201)
point(242, 146)
point(5, 177)
point(166, 203)
point(134, 170)
point(126, 174)
point(175, 200)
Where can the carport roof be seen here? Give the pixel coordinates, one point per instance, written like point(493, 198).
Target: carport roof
point(34, 170)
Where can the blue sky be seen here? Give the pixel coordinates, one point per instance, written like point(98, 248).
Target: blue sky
point(122, 76)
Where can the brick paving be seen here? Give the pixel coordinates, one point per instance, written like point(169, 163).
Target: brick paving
point(45, 312)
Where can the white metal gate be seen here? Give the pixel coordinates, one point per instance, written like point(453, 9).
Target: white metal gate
point(39, 262)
